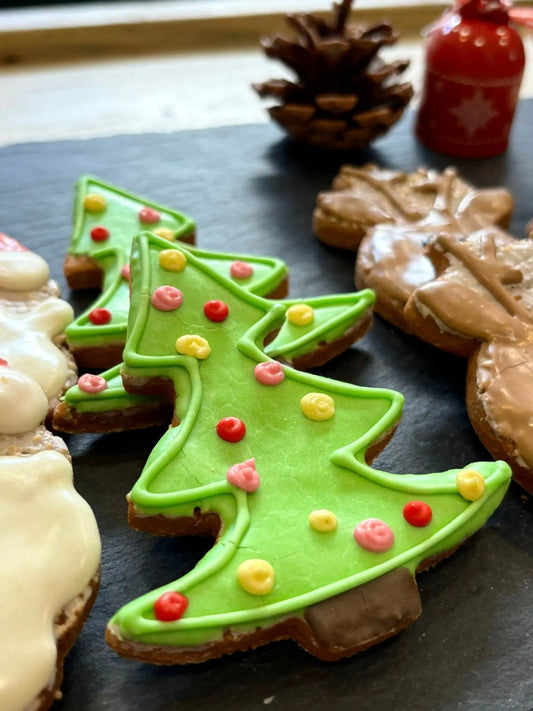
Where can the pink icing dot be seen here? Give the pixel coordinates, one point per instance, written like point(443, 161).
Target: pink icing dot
point(8, 244)
point(269, 373)
point(167, 298)
point(149, 216)
point(241, 270)
point(92, 383)
point(3, 362)
point(374, 535)
point(125, 272)
point(244, 476)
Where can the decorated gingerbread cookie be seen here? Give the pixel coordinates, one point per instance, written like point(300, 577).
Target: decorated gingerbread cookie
point(483, 299)
point(33, 320)
point(106, 219)
point(388, 216)
point(312, 543)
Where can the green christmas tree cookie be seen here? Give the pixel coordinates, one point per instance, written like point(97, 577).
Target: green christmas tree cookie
point(312, 543)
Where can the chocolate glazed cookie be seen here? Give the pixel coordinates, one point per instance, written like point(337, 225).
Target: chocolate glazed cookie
point(387, 217)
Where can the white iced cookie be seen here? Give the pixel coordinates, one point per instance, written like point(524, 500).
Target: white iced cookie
point(49, 553)
point(49, 541)
point(23, 404)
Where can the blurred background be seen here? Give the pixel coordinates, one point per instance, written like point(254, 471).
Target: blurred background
point(85, 69)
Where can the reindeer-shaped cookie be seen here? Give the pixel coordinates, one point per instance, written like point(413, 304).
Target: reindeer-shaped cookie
point(311, 542)
point(483, 303)
point(388, 216)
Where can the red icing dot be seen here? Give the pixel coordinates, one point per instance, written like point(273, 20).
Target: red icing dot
point(231, 429)
point(149, 216)
point(170, 606)
point(3, 362)
point(99, 234)
point(216, 310)
point(100, 316)
point(417, 513)
point(125, 272)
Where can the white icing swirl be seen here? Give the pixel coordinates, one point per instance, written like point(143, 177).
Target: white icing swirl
point(22, 271)
point(25, 343)
point(49, 552)
point(23, 405)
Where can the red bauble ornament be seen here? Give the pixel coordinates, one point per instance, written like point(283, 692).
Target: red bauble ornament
point(417, 513)
point(171, 606)
point(474, 67)
point(231, 429)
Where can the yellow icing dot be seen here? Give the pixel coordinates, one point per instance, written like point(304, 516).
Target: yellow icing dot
point(470, 484)
point(323, 520)
point(172, 260)
point(165, 233)
point(300, 314)
point(193, 345)
point(318, 406)
point(95, 203)
point(256, 576)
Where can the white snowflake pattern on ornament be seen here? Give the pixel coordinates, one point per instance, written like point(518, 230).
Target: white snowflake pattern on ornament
point(474, 112)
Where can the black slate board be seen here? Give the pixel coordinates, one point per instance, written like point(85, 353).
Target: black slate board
point(250, 190)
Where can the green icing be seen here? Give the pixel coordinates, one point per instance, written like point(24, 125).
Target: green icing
point(303, 465)
point(113, 398)
point(121, 218)
point(268, 272)
point(333, 315)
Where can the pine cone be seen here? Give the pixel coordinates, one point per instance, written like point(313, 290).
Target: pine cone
point(345, 96)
